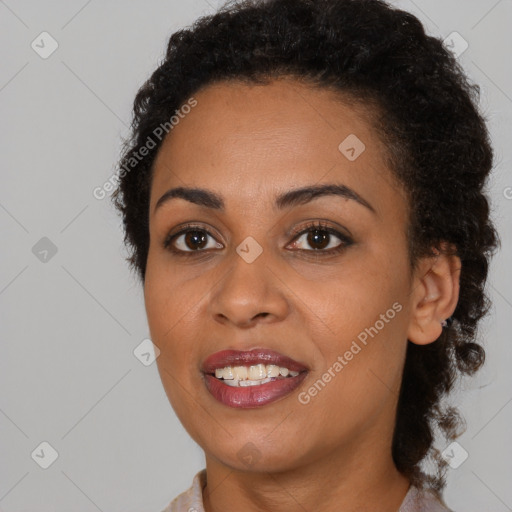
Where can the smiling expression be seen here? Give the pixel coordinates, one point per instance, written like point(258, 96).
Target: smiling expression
point(265, 233)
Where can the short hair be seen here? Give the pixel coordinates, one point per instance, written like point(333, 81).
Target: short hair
point(425, 110)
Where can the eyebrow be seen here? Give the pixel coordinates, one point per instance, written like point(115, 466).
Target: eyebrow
point(295, 197)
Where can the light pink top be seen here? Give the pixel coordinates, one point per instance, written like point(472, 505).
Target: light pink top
point(192, 499)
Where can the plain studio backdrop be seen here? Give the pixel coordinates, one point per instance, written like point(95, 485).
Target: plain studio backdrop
point(73, 319)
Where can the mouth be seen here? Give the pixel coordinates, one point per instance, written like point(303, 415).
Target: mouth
point(251, 378)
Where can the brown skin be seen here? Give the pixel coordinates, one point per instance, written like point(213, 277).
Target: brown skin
point(249, 144)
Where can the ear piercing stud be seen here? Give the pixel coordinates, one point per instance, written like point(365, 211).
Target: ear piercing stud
point(448, 322)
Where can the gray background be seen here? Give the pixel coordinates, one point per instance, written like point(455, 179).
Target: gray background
point(70, 324)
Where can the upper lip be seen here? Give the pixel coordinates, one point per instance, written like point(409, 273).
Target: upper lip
point(249, 357)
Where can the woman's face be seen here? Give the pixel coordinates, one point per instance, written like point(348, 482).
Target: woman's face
point(255, 271)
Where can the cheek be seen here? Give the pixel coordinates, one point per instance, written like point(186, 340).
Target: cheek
point(165, 296)
point(172, 312)
point(357, 320)
point(357, 369)
point(171, 316)
point(344, 299)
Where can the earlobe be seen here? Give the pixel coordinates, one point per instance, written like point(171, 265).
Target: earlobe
point(434, 296)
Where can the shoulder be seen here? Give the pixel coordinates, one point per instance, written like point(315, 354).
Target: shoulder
point(190, 500)
point(418, 500)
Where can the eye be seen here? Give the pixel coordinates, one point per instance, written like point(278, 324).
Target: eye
point(191, 239)
point(321, 238)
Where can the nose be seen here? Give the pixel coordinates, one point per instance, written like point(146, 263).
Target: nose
point(249, 293)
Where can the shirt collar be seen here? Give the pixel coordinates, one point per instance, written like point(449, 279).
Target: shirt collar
point(191, 500)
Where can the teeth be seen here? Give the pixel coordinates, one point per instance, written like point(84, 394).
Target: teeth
point(253, 375)
point(224, 373)
point(257, 372)
point(272, 370)
point(227, 373)
point(233, 383)
point(245, 383)
point(239, 372)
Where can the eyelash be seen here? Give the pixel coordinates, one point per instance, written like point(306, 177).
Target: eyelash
point(345, 241)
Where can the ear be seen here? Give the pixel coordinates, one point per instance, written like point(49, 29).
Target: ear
point(434, 295)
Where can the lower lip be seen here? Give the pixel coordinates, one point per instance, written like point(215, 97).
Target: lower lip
point(252, 396)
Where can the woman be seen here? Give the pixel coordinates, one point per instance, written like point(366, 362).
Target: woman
point(303, 200)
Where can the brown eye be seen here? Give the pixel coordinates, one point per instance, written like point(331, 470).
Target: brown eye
point(195, 240)
point(321, 240)
point(192, 240)
point(318, 239)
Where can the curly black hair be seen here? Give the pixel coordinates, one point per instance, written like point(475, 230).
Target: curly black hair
point(426, 112)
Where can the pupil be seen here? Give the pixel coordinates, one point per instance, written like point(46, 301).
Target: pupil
point(196, 238)
point(318, 237)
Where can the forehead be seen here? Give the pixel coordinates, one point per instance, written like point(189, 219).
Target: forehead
point(243, 138)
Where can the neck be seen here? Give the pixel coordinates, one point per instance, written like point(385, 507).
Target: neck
point(342, 480)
